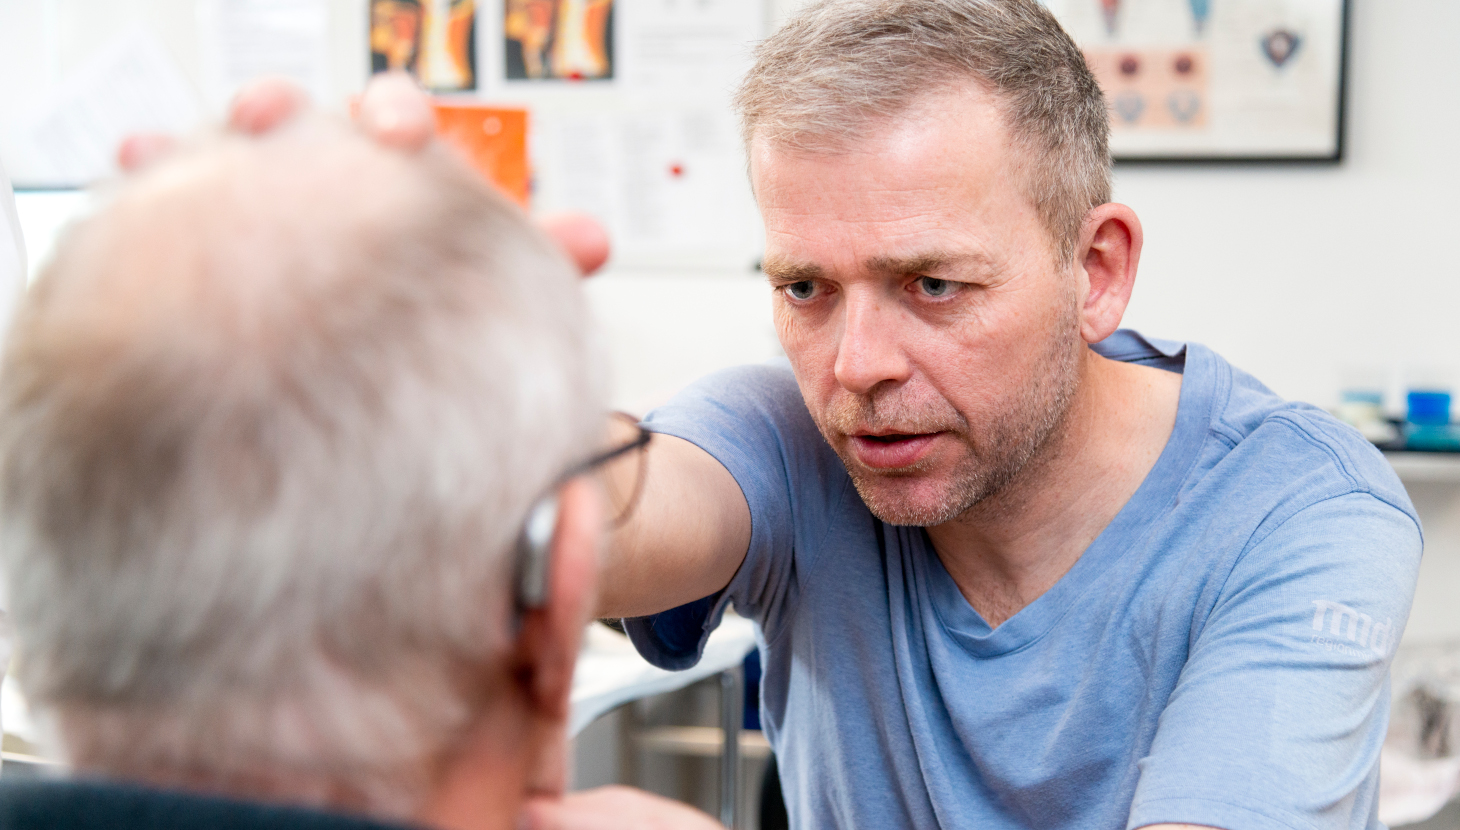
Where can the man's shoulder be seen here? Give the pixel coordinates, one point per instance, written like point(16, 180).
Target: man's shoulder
point(757, 388)
point(1268, 442)
point(1306, 438)
point(1286, 454)
point(753, 420)
point(755, 409)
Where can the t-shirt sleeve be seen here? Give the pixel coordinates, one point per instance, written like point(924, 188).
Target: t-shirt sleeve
point(753, 421)
point(1278, 716)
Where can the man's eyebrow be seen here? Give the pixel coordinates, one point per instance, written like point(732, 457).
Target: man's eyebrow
point(785, 272)
point(930, 262)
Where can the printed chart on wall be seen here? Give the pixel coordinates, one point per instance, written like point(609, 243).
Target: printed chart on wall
point(435, 40)
point(631, 121)
point(1216, 79)
point(558, 39)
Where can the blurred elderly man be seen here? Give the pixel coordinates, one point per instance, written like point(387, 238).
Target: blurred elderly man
point(293, 436)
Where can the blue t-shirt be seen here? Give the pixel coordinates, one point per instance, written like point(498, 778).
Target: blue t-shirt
point(1218, 656)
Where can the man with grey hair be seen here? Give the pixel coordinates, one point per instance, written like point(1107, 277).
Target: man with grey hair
point(1014, 568)
point(294, 442)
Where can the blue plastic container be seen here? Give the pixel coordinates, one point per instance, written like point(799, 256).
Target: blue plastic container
point(1429, 408)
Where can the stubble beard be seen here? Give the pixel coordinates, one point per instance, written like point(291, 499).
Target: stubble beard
point(993, 460)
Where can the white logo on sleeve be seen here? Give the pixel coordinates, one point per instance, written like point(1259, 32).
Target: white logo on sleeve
point(1353, 627)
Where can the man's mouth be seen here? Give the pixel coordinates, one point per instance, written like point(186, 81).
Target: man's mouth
point(892, 450)
point(891, 438)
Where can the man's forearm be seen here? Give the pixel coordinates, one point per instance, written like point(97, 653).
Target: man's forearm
point(685, 533)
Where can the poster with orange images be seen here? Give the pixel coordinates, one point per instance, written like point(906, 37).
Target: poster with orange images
point(545, 40)
point(435, 40)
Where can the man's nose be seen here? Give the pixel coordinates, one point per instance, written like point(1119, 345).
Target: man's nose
point(871, 348)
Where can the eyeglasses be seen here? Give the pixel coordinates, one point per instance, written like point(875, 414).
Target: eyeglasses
point(534, 544)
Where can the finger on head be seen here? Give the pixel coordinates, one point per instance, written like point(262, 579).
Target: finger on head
point(144, 149)
point(265, 104)
point(581, 236)
point(396, 112)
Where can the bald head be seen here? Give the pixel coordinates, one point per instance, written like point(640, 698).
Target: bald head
point(269, 424)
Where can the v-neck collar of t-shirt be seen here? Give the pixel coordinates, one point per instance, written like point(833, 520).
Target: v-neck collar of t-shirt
point(1193, 419)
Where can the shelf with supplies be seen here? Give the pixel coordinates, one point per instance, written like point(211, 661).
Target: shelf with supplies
point(1425, 467)
point(701, 741)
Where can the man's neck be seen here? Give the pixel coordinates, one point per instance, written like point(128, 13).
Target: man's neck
point(1007, 550)
point(484, 784)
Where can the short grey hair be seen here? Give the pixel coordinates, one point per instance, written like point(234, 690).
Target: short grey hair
point(838, 66)
point(270, 422)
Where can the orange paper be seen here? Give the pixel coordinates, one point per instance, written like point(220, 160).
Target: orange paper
point(494, 139)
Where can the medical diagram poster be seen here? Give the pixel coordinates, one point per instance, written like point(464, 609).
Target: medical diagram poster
point(630, 119)
point(1216, 79)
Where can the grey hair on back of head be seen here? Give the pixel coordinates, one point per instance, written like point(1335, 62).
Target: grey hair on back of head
point(269, 424)
point(840, 67)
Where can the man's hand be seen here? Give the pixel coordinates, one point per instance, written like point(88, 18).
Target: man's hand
point(614, 808)
point(395, 112)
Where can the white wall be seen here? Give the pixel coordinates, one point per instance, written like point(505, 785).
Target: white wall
point(1291, 272)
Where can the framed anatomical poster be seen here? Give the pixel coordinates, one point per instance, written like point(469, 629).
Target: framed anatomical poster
point(435, 40)
point(548, 40)
point(1217, 80)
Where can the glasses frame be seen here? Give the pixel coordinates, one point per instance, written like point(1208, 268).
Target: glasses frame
point(535, 541)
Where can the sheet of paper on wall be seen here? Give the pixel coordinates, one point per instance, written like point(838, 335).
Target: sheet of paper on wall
point(688, 47)
point(631, 119)
point(670, 184)
point(130, 86)
point(241, 40)
point(1214, 78)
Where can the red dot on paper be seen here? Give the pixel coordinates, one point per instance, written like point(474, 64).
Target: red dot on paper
point(676, 170)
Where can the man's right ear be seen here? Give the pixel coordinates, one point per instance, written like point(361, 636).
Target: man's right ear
point(1108, 257)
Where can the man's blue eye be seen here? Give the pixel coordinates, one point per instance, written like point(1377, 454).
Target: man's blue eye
point(934, 287)
point(802, 290)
